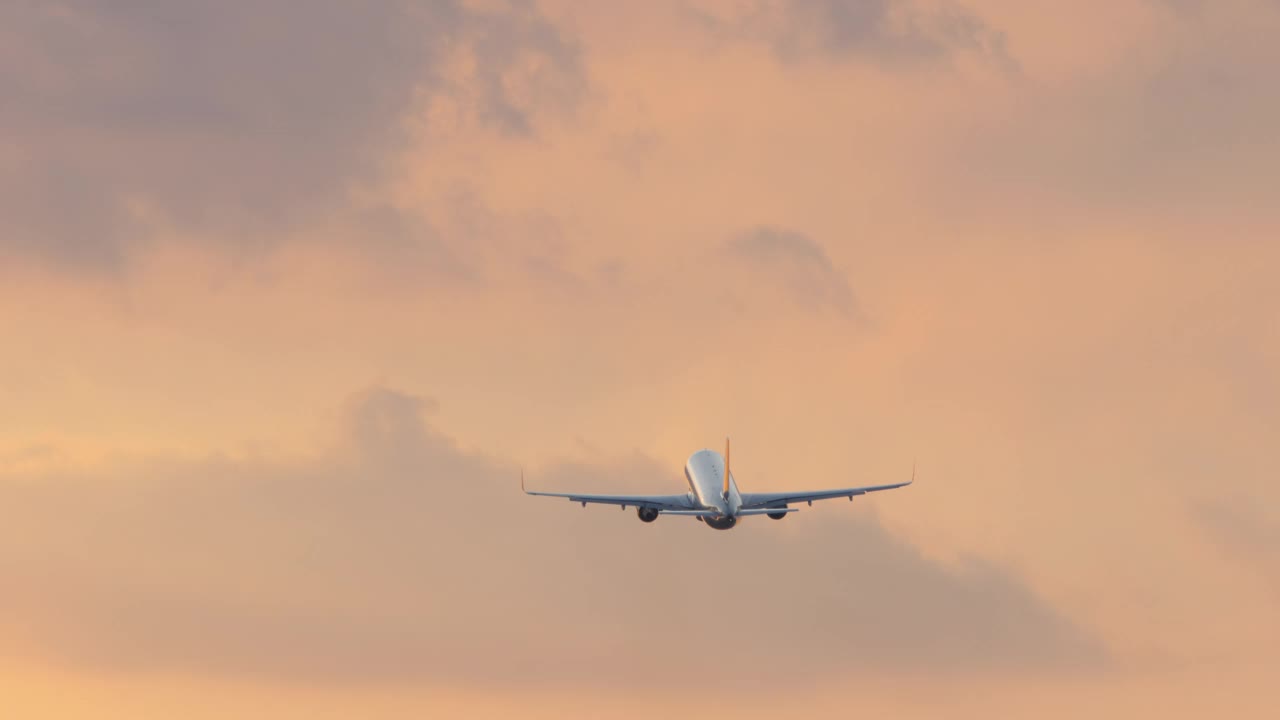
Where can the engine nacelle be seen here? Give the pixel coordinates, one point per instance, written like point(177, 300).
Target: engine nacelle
point(721, 523)
point(647, 514)
point(777, 515)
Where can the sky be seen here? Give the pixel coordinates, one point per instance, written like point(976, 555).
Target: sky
point(290, 295)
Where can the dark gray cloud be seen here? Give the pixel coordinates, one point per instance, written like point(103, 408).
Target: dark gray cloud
point(397, 556)
point(798, 263)
point(881, 31)
point(224, 118)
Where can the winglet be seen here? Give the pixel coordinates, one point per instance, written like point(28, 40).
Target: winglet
point(726, 467)
point(913, 472)
point(526, 492)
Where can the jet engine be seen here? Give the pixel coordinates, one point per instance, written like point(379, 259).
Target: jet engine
point(777, 515)
point(721, 523)
point(647, 514)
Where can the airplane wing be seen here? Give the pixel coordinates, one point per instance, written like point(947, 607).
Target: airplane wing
point(656, 502)
point(782, 499)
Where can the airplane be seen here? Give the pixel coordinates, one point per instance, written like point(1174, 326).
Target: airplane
point(713, 496)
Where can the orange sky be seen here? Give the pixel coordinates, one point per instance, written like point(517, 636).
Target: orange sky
point(288, 297)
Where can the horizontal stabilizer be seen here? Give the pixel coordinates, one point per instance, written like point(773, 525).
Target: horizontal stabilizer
point(692, 513)
point(766, 511)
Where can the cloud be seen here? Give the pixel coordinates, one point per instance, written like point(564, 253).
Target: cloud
point(230, 121)
point(1244, 532)
point(881, 31)
point(1186, 134)
point(797, 262)
point(398, 556)
point(403, 248)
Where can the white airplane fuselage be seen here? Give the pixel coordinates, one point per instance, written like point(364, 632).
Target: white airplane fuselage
point(705, 472)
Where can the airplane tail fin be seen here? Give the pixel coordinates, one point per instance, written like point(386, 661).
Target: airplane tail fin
point(726, 467)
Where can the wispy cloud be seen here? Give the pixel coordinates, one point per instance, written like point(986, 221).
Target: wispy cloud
point(797, 263)
point(1245, 531)
point(886, 32)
